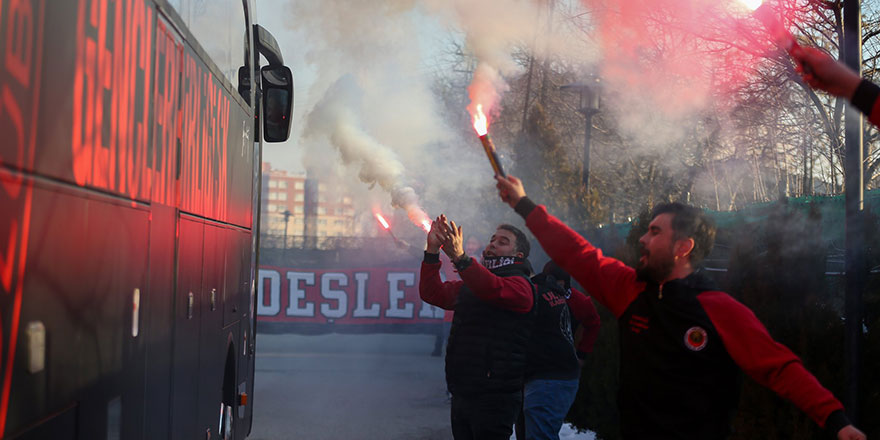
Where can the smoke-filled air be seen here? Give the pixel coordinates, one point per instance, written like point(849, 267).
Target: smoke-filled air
point(440, 219)
point(389, 100)
point(373, 110)
point(719, 114)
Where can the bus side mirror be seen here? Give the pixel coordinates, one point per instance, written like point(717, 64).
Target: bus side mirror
point(277, 102)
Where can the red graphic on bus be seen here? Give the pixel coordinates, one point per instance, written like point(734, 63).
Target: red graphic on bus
point(109, 149)
point(22, 30)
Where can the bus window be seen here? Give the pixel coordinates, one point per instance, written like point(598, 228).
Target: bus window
point(221, 28)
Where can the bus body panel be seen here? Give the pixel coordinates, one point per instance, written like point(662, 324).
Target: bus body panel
point(186, 328)
point(127, 180)
point(158, 309)
point(87, 255)
point(120, 91)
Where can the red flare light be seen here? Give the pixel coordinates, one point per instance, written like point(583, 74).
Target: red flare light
point(382, 221)
point(481, 124)
point(751, 4)
point(426, 225)
point(771, 21)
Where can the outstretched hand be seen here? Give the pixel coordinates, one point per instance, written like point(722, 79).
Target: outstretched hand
point(510, 189)
point(435, 235)
point(850, 432)
point(825, 73)
point(453, 243)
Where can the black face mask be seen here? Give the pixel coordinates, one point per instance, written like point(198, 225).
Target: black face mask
point(496, 262)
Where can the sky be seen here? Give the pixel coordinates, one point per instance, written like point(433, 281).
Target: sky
point(273, 14)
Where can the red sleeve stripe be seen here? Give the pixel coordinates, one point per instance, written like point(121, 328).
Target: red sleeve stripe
point(768, 362)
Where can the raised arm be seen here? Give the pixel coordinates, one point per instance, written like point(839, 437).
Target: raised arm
point(608, 280)
point(432, 289)
point(510, 293)
point(826, 73)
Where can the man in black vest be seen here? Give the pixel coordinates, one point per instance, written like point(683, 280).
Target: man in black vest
point(486, 352)
point(553, 368)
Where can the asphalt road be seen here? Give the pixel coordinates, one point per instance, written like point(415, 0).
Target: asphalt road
point(349, 387)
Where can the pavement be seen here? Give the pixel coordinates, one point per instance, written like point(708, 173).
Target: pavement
point(349, 387)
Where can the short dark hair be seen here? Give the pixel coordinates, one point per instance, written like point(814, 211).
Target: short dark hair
point(553, 269)
point(690, 222)
point(522, 242)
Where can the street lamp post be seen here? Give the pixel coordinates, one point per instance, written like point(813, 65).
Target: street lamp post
point(286, 215)
point(856, 265)
point(588, 105)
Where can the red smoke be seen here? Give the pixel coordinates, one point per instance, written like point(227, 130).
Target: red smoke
point(675, 54)
point(483, 91)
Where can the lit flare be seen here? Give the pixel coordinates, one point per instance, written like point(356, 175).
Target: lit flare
point(751, 4)
point(780, 35)
point(770, 19)
point(481, 124)
point(382, 221)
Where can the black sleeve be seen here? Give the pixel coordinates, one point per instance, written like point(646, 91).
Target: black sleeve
point(835, 422)
point(431, 258)
point(462, 263)
point(524, 207)
point(865, 96)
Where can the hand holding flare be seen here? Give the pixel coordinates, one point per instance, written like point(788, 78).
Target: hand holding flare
point(781, 36)
point(481, 125)
point(826, 73)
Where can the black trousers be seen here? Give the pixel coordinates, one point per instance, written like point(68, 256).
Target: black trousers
point(485, 417)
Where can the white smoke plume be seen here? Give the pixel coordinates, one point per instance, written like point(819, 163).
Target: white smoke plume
point(392, 132)
point(334, 117)
point(492, 30)
point(372, 99)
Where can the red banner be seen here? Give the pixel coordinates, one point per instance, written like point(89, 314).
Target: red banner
point(343, 297)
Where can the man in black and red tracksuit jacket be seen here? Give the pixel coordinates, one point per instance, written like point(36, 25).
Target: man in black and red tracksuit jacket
point(486, 351)
point(682, 341)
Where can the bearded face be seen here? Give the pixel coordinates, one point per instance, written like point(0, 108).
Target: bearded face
point(657, 249)
point(655, 266)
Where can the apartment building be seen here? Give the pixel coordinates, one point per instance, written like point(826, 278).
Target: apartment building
point(309, 207)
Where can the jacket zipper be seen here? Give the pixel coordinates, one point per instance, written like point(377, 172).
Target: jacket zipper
point(660, 292)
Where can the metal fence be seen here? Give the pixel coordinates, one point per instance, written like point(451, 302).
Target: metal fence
point(279, 241)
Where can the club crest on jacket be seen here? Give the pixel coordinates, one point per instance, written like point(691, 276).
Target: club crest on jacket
point(696, 338)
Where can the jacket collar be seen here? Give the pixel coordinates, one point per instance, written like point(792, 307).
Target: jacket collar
point(507, 264)
point(697, 281)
